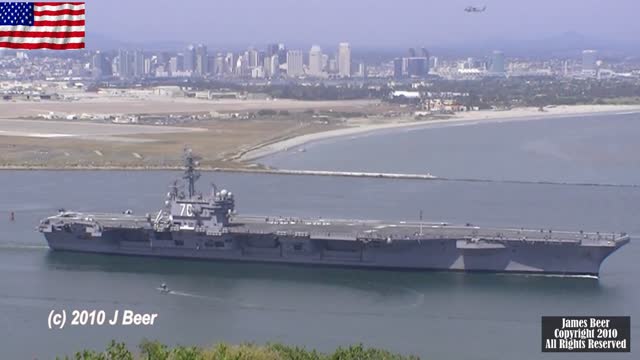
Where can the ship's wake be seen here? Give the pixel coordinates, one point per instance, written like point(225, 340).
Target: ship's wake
point(572, 276)
point(16, 246)
point(196, 296)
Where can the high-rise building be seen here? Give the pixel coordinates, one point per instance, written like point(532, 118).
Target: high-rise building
point(315, 61)
point(219, 65)
point(325, 61)
point(295, 63)
point(433, 62)
point(412, 52)
point(190, 58)
point(180, 62)
point(274, 66)
point(148, 66)
point(397, 68)
point(282, 53)
point(173, 66)
point(229, 64)
point(211, 64)
point(138, 64)
point(100, 66)
point(425, 54)
point(497, 63)
point(344, 59)
point(589, 62)
point(252, 56)
point(202, 61)
point(417, 67)
point(272, 49)
point(362, 70)
point(242, 66)
point(333, 65)
point(124, 64)
point(266, 67)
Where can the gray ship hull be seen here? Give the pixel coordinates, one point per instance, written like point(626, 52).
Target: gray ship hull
point(206, 227)
point(438, 248)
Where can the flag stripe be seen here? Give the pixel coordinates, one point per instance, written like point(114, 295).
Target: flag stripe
point(59, 23)
point(59, 7)
point(58, 12)
point(27, 28)
point(58, 17)
point(49, 34)
point(26, 40)
point(58, 3)
point(12, 45)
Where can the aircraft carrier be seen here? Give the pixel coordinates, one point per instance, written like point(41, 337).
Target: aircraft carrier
point(205, 226)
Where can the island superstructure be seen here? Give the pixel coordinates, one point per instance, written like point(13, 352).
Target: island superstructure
point(205, 226)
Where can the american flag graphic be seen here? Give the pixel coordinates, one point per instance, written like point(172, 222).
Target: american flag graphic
point(42, 25)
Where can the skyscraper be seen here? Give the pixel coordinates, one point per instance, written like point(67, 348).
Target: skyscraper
point(362, 70)
point(417, 67)
point(344, 59)
point(315, 61)
point(282, 53)
point(138, 64)
point(219, 65)
point(252, 57)
point(397, 68)
point(190, 58)
point(99, 65)
point(202, 61)
point(229, 63)
point(173, 66)
point(433, 62)
point(242, 66)
point(274, 66)
point(497, 63)
point(425, 54)
point(295, 64)
point(589, 62)
point(272, 49)
point(124, 64)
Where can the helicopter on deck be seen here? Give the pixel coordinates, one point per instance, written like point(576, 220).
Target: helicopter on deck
point(474, 9)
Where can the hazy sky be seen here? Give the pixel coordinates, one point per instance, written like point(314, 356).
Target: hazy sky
point(363, 22)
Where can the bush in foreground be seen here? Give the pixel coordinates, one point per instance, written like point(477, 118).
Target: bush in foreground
point(154, 350)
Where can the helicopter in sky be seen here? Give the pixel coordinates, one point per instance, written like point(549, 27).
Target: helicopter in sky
point(474, 9)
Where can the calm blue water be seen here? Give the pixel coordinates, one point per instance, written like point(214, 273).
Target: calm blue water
point(435, 315)
point(584, 149)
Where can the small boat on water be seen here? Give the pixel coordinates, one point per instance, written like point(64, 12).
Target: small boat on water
point(164, 289)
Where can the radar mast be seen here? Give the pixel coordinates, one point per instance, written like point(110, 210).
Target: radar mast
point(192, 175)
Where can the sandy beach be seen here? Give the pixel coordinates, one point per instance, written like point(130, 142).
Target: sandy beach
point(361, 127)
point(221, 143)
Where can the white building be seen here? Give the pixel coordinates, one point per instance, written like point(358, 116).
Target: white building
point(295, 64)
point(271, 66)
point(315, 61)
point(344, 59)
point(589, 62)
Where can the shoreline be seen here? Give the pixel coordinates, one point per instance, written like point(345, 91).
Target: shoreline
point(322, 173)
point(247, 159)
point(468, 118)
